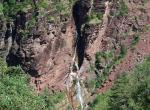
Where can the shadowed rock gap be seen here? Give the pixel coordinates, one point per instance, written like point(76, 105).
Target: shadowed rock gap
point(80, 11)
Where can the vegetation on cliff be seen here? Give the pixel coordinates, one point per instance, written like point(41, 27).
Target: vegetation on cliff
point(16, 94)
point(20, 17)
point(131, 91)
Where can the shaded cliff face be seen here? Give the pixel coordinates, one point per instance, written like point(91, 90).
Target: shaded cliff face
point(42, 39)
point(80, 13)
point(44, 44)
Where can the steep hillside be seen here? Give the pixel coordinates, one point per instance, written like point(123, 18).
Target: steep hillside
point(78, 47)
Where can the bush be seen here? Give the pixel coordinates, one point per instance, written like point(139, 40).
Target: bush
point(3, 66)
point(94, 18)
point(136, 39)
point(16, 94)
point(123, 52)
point(122, 10)
point(1, 8)
point(11, 7)
point(130, 92)
point(101, 102)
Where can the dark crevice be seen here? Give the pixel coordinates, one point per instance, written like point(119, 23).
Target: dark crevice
point(13, 58)
point(80, 10)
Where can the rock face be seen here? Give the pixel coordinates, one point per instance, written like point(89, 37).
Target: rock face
point(43, 40)
point(46, 53)
point(45, 48)
point(42, 45)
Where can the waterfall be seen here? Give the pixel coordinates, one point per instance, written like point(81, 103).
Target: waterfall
point(75, 75)
point(79, 92)
point(78, 85)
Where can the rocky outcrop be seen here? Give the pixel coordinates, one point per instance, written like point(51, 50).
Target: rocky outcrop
point(45, 49)
point(44, 44)
point(47, 40)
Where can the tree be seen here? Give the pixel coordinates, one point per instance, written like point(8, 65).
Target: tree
point(132, 91)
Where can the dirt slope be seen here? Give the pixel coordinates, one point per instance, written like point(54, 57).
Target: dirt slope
point(133, 57)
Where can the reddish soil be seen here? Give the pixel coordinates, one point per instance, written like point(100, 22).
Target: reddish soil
point(133, 56)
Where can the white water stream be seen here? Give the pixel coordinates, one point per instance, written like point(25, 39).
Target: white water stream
point(79, 93)
point(75, 75)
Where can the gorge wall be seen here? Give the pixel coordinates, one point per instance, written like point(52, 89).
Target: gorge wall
point(42, 36)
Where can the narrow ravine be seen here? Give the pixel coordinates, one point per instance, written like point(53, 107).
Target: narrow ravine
point(80, 10)
point(79, 50)
point(74, 75)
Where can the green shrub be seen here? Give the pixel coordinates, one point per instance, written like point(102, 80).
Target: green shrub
point(101, 102)
point(103, 57)
point(136, 39)
point(130, 92)
point(31, 23)
point(43, 4)
point(11, 7)
point(16, 94)
point(3, 66)
point(94, 18)
point(1, 8)
point(123, 51)
point(122, 10)
point(90, 84)
point(110, 61)
point(146, 27)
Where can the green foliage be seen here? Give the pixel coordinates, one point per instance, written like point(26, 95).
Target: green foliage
point(123, 52)
point(130, 92)
point(109, 61)
point(11, 7)
point(52, 99)
point(94, 18)
point(146, 27)
point(1, 8)
point(3, 66)
point(39, 9)
point(69, 108)
point(43, 4)
point(31, 23)
point(90, 84)
point(50, 18)
point(136, 39)
point(16, 94)
point(91, 68)
point(101, 102)
point(62, 7)
point(123, 9)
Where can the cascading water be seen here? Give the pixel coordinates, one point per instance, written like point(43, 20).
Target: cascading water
point(75, 70)
point(79, 93)
point(75, 75)
point(80, 11)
